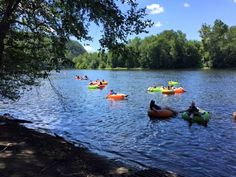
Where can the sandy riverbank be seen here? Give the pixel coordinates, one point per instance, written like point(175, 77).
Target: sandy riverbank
point(27, 153)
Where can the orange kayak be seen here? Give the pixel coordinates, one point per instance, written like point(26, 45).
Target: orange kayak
point(118, 96)
point(179, 90)
point(104, 83)
point(98, 82)
point(101, 86)
point(161, 114)
point(166, 91)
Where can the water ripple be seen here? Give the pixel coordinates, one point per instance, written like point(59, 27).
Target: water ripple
point(122, 130)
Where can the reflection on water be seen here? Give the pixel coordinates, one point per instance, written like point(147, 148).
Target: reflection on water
point(122, 130)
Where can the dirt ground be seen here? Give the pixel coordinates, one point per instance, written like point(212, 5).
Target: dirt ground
point(27, 153)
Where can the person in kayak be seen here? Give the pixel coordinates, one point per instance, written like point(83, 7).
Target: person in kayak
point(155, 107)
point(100, 83)
point(85, 77)
point(169, 87)
point(234, 115)
point(193, 110)
point(91, 83)
point(112, 92)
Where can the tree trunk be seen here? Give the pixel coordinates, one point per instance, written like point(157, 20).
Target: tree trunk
point(2, 36)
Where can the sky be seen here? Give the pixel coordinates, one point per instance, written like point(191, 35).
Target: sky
point(185, 15)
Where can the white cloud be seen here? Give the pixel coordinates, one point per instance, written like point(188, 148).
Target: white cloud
point(187, 4)
point(155, 8)
point(235, 1)
point(89, 49)
point(158, 24)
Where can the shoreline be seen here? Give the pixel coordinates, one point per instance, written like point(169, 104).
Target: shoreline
point(162, 69)
point(25, 152)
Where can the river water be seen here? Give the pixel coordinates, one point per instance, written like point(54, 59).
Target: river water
point(121, 130)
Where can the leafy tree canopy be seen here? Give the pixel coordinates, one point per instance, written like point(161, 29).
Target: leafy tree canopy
point(170, 49)
point(219, 45)
point(33, 34)
point(167, 50)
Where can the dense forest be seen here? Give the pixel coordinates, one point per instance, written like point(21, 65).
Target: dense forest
point(170, 49)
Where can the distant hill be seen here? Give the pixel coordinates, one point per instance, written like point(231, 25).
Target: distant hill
point(74, 49)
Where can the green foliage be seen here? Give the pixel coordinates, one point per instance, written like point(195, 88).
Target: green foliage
point(24, 57)
point(219, 45)
point(34, 34)
point(90, 61)
point(170, 49)
point(167, 50)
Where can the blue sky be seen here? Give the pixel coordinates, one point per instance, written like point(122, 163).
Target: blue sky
point(185, 15)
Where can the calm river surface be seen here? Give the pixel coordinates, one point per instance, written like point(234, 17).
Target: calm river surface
point(121, 130)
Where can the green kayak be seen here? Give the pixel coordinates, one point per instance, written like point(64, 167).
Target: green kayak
point(155, 89)
point(202, 118)
point(173, 83)
point(93, 86)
